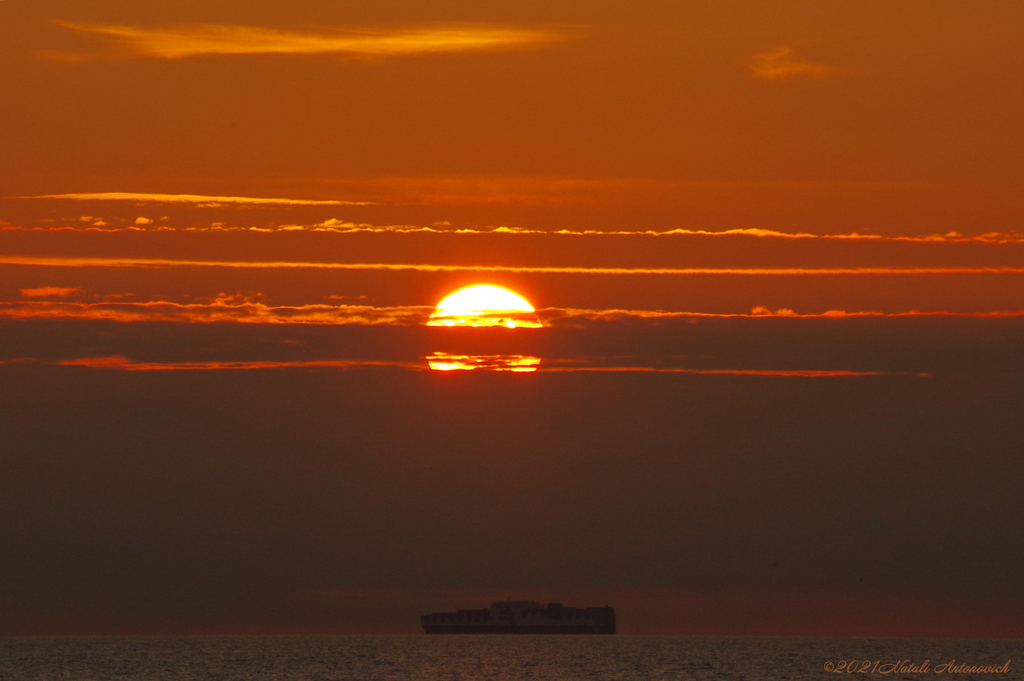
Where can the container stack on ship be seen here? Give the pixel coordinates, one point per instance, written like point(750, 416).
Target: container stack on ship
point(522, 617)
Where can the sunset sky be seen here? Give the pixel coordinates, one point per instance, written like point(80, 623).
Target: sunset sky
point(775, 249)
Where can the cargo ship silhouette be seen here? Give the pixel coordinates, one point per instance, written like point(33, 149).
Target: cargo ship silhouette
point(522, 617)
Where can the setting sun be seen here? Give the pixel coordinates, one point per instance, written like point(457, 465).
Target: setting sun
point(442, 361)
point(485, 305)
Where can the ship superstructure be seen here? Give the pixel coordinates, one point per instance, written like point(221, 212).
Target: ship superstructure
point(522, 617)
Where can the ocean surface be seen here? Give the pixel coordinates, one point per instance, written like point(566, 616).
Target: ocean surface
point(478, 658)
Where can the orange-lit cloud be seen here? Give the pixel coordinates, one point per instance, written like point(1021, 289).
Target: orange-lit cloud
point(96, 222)
point(338, 226)
point(47, 292)
point(557, 316)
point(121, 363)
point(192, 198)
point(792, 373)
point(130, 228)
point(221, 309)
point(344, 226)
point(225, 308)
point(426, 267)
point(190, 40)
point(438, 362)
point(783, 64)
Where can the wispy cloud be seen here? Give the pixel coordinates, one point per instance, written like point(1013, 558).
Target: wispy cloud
point(790, 373)
point(60, 261)
point(346, 227)
point(784, 64)
point(221, 309)
point(193, 198)
point(554, 317)
point(190, 40)
point(122, 363)
point(249, 311)
point(48, 292)
point(336, 226)
point(130, 228)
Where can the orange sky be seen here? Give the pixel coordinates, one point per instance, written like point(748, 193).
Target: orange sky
point(802, 215)
point(919, 92)
point(792, 117)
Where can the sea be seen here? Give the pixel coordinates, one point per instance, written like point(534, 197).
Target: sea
point(503, 658)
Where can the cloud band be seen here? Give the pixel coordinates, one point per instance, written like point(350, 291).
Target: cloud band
point(194, 198)
point(525, 269)
point(191, 40)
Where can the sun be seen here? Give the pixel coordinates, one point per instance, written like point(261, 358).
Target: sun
point(485, 305)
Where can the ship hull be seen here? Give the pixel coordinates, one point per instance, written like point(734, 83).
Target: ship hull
point(517, 629)
point(522, 617)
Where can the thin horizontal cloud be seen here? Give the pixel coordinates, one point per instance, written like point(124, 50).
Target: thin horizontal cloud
point(791, 373)
point(130, 228)
point(554, 315)
point(193, 198)
point(191, 40)
point(426, 267)
point(222, 309)
point(337, 226)
point(349, 227)
point(346, 227)
point(783, 64)
point(121, 363)
point(48, 292)
point(237, 309)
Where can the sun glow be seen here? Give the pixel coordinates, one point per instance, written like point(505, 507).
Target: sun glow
point(485, 305)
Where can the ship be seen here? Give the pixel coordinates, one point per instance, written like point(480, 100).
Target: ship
point(522, 617)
